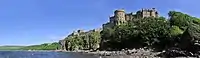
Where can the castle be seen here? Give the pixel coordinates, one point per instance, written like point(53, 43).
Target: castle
point(120, 17)
point(65, 45)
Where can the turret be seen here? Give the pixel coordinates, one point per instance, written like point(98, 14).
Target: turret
point(119, 17)
point(154, 13)
point(112, 19)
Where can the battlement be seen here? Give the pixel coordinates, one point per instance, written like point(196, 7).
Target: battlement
point(119, 10)
point(121, 17)
point(148, 10)
point(148, 13)
point(144, 12)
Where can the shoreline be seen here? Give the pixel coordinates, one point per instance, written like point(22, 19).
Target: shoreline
point(138, 53)
point(132, 53)
point(135, 53)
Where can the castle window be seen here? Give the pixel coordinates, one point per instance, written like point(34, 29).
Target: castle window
point(120, 13)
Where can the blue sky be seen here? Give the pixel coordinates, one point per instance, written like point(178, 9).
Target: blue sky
point(28, 22)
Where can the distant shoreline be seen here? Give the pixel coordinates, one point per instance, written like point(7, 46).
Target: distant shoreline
point(134, 53)
point(29, 50)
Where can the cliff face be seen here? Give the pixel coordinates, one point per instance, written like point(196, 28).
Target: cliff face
point(191, 38)
point(82, 40)
point(92, 39)
point(138, 31)
point(62, 44)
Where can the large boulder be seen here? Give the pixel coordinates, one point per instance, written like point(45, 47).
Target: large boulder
point(176, 52)
point(191, 38)
point(62, 44)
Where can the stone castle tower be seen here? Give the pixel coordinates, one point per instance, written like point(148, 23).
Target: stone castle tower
point(121, 17)
point(148, 13)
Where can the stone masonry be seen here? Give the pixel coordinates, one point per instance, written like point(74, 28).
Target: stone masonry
point(120, 17)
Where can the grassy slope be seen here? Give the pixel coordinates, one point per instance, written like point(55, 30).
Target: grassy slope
point(45, 46)
point(11, 47)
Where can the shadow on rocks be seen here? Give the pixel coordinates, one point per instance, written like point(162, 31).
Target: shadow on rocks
point(177, 52)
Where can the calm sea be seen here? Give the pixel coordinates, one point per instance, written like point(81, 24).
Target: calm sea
point(42, 54)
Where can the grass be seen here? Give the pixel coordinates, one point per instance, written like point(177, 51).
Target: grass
point(11, 47)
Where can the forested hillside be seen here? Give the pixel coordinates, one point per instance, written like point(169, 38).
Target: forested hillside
point(159, 33)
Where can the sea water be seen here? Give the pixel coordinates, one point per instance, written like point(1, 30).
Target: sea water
point(43, 54)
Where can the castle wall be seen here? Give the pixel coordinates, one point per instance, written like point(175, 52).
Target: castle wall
point(130, 16)
point(149, 13)
point(120, 17)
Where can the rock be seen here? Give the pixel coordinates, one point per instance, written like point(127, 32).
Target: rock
point(191, 38)
point(62, 44)
point(176, 52)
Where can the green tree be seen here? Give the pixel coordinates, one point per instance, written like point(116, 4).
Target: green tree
point(182, 20)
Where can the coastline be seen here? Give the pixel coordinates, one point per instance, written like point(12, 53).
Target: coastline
point(128, 53)
point(137, 53)
point(133, 53)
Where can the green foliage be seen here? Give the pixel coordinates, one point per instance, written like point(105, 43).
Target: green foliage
point(175, 30)
point(158, 33)
point(11, 47)
point(149, 32)
point(182, 20)
point(45, 46)
point(137, 34)
point(94, 39)
point(84, 40)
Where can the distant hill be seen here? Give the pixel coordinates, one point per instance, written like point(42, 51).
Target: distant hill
point(11, 47)
point(45, 46)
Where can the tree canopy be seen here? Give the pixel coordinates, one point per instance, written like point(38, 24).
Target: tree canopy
point(157, 33)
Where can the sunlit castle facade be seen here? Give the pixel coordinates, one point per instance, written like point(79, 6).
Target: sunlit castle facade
point(121, 17)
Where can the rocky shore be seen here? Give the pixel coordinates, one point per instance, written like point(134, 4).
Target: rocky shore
point(129, 53)
point(141, 53)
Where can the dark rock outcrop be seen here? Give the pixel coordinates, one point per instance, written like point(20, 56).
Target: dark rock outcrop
point(80, 40)
point(62, 44)
point(189, 44)
point(190, 40)
point(176, 52)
